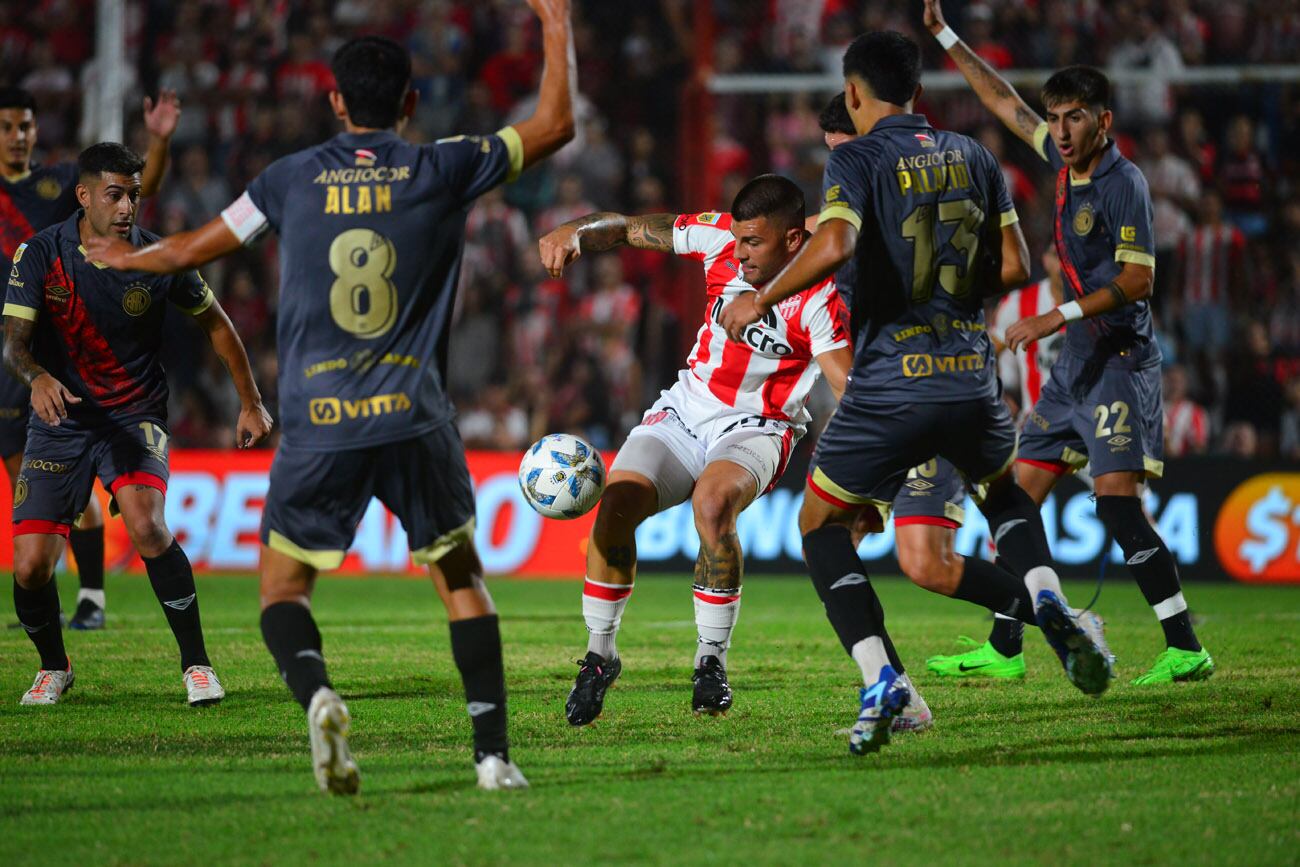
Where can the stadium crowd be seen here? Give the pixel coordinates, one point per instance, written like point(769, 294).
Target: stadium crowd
point(587, 353)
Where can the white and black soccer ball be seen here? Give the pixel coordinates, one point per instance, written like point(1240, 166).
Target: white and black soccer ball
point(562, 476)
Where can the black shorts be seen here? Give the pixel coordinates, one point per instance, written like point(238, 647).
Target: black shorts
point(60, 465)
point(13, 429)
point(865, 453)
point(1111, 420)
point(932, 493)
point(316, 499)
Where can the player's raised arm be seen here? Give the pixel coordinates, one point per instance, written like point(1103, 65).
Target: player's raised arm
point(160, 119)
point(551, 125)
point(602, 231)
point(178, 252)
point(992, 89)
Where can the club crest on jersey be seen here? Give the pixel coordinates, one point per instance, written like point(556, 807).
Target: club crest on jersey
point(925, 139)
point(364, 157)
point(18, 254)
point(48, 188)
point(137, 299)
point(1084, 220)
point(20, 491)
point(789, 307)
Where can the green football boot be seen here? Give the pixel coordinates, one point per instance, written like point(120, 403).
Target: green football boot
point(983, 661)
point(1177, 665)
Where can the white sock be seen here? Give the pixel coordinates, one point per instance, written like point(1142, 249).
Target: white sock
point(716, 612)
point(1043, 578)
point(97, 596)
point(870, 655)
point(1175, 604)
point(602, 609)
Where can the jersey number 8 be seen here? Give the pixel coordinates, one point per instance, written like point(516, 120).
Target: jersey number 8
point(363, 301)
point(919, 228)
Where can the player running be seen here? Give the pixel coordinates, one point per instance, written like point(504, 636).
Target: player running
point(1103, 404)
point(34, 197)
point(87, 342)
point(720, 436)
point(371, 229)
point(926, 214)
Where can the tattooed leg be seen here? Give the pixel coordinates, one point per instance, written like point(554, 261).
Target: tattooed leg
point(722, 493)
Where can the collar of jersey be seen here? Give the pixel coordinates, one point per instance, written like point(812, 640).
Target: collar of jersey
point(901, 120)
point(1109, 157)
point(351, 138)
point(70, 226)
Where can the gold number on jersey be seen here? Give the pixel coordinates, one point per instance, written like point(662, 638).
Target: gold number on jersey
point(363, 301)
point(155, 438)
point(1103, 413)
point(919, 228)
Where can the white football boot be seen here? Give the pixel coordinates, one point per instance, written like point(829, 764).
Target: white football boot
point(201, 686)
point(49, 686)
point(916, 717)
point(331, 760)
point(496, 773)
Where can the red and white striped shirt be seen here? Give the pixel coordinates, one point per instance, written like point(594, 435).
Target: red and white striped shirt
point(1209, 253)
point(1187, 429)
point(1033, 366)
point(771, 373)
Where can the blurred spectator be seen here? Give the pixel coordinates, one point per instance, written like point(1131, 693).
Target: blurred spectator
point(1145, 47)
point(495, 421)
point(197, 192)
point(1175, 189)
point(1211, 264)
point(1187, 424)
point(1240, 172)
point(1254, 398)
point(304, 77)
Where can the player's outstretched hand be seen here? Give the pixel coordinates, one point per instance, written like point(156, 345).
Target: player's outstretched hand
point(551, 10)
point(1028, 330)
point(560, 249)
point(50, 399)
point(161, 117)
point(109, 251)
point(741, 313)
point(934, 16)
point(254, 425)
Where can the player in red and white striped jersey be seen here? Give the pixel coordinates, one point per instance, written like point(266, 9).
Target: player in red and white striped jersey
point(1187, 424)
point(1029, 371)
point(1211, 258)
point(721, 435)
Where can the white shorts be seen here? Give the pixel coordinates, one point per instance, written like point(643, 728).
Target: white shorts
point(684, 432)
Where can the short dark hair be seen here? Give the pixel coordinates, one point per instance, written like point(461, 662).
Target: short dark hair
point(1083, 84)
point(835, 117)
point(111, 157)
point(770, 196)
point(373, 74)
point(17, 97)
point(888, 62)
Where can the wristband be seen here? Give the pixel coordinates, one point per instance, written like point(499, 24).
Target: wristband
point(1071, 311)
point(947, 37)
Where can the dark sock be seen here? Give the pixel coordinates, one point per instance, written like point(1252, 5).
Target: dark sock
point(476, 649)
point(1151, 564)
point(1017, 528)
point(173, 584)
point(890, 650)
point(1001, 592)
point(852, 606)
point(1007, 636)
point(291, 635)
point(38, 612)
point(88, 550)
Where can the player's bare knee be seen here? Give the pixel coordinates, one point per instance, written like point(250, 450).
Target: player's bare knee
point(33, 569)
point(149, 536)
point(715, 514)
point(929, 569)
point(623, 507)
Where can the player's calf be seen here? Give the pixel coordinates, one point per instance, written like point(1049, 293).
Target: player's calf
point(36, 599)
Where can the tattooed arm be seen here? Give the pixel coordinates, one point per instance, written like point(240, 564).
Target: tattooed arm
point(50, 398)
point(606, 230)
point(993, 90)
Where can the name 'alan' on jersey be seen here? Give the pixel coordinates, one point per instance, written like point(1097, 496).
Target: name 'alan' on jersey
point(772, 371)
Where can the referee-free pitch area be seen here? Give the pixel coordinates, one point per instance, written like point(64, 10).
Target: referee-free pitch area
point(124, 772)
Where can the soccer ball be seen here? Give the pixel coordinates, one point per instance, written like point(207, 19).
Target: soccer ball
point(562, 476)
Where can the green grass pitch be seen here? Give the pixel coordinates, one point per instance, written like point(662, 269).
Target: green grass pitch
point(124, 772)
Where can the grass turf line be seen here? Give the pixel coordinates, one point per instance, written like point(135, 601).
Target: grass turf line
point(125, 772)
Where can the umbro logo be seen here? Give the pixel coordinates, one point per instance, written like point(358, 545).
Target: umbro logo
point(478, 708)
point(1142, 556)
point(1006, 528)
point(849, 580)
point(180, 604)
point(1119, 441)
point(920, 485)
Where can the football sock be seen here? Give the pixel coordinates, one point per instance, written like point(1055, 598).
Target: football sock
point(851, 603)
point(716, 612)
point(1007, 635)
point(38, 612)
point(476, 648)
point(890, 651)
point(1001, 592)
point(173, 584)
point(1152, 565)
point(88, 550)
point(1017, 528)
point(602, 609)
point(291, 635)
